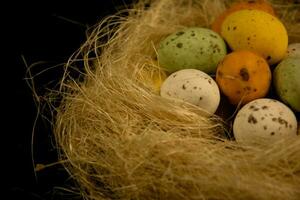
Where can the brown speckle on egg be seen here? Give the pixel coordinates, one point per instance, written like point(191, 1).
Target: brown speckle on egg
point(252, 119)
point(179, 45)
point(244, 74)
point(282, 121)
point(213, 36)
point(180, 33)
point(272, 133)
point(254, 108)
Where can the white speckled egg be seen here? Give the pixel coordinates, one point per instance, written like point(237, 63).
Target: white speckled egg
point(193, 86)
point(293, 50)
point(264, 120)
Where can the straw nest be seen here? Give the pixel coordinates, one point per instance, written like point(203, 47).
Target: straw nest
point(120, 140)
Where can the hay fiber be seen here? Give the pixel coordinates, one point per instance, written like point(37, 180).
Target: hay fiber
point(120, 140)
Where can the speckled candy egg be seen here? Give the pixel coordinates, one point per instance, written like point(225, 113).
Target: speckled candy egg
point(196, 48)
point(193, 86)
point(293, 50)
point(252, 4)
point(286, 78)
point(264, 120)
point(257, 31)
point(243, 76)
point(151, 75)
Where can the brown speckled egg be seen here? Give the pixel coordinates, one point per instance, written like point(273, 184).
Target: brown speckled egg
point(192, 86)
point(264, 120)
point(256, 31)
point(243, 76)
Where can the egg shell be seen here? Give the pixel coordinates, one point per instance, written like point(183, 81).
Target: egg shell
point(257, 31)
point(196, 48)
point(154, 79)
point(258, 5)
point(193, 86)
point(287, 81)
point(293, 50)
point(243, 76)
point(264, 120)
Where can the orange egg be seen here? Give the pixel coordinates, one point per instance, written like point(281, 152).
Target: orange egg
point(243, 76)
point(255, 4)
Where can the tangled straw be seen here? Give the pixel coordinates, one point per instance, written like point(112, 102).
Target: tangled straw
point(121, 140)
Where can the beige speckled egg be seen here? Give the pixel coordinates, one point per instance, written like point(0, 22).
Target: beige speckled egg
point(257, 31)
point(293, 50)
point(264, 120)
point(193, 86)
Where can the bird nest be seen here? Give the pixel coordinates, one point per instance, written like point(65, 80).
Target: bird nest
point(120, 140)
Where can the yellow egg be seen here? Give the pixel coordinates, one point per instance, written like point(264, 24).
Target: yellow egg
point(158, 79)
point(257, 31)
point(151, 76)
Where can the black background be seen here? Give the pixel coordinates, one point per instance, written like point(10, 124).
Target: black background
point(48, 31)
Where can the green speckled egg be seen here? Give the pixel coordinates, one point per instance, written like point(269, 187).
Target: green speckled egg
point(287, 81)
point(192, 48)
